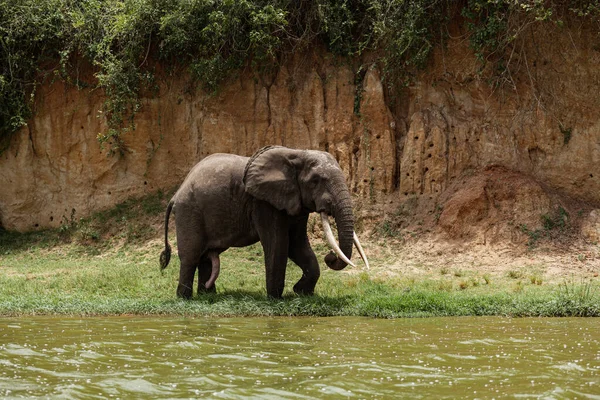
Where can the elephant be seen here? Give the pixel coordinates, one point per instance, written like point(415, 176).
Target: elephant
point(228, 200)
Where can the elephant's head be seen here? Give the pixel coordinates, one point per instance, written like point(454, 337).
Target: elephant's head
point(299, 181)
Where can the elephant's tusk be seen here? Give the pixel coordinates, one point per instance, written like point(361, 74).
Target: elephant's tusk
point(331, 240)
point(360, 250)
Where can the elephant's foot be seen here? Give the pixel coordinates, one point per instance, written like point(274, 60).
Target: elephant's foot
point(185, 292)
point(275, 293)
point(276, 284)
point(304, 288)
point(306, 285)
point(202, 289)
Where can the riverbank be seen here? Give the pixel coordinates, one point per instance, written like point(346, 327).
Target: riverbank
point(108, 265)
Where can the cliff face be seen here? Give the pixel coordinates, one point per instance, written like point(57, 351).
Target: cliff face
point(419, 143)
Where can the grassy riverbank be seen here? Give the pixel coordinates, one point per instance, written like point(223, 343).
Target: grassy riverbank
point(109, 265)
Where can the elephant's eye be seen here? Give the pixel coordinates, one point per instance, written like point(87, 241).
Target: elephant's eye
point(314, 180)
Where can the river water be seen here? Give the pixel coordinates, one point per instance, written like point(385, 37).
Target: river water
point(299, 358)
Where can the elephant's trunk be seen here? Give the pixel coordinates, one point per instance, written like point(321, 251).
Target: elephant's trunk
point(344, 220)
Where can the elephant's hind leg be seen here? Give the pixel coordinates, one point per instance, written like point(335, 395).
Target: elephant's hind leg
point(190, 249)
point(187, 270)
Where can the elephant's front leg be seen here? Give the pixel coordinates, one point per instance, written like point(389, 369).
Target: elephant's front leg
point(303, 255)
point(272, 226)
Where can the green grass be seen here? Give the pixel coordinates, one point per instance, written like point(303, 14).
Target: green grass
point(65, 272)
point(70, 280)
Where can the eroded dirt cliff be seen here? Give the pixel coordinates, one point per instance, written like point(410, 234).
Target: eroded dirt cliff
point(433, 145)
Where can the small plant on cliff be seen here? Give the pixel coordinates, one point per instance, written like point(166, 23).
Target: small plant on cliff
point(388, 229)
point(566, 132)
point(556, 221)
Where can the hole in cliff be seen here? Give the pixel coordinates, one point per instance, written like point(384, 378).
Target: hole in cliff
point(51, 218)
point(145, 183)
point(407, 174)
point(478, 139)
point(37, 225)
point(365, 180)
point(430, 144)
point(433, 180)
point(109, 192)
point(416, 138)
point(429, 155)
point(377, 136)
point(327, 147)
point(591, 175)
point(414, 161)
point(81, 126)
point(467, 140)
point(406, 193)
point(426, 169)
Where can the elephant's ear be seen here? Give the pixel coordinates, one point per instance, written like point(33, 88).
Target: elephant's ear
point(270, 175)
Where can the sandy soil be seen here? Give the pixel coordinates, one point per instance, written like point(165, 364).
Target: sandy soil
point(431, 256)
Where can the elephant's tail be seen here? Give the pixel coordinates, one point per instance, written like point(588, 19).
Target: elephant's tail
point(165, 256)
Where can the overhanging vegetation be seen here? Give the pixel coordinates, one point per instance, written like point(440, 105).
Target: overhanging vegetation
point(123, 40)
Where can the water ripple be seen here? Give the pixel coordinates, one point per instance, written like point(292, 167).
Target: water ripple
point(299, 358)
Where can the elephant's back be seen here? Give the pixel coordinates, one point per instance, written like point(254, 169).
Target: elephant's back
point(215, 175)
point(213, 169)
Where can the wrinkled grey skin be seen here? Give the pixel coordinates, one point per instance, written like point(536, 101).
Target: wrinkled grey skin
point(232, 201)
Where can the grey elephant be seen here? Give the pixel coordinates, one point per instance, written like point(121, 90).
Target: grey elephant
point(232, 201)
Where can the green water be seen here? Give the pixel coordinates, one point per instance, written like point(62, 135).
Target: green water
point(296, 358)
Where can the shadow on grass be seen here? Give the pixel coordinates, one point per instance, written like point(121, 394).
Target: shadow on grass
point(256, 303)
point(389, 304)
point(14, 241)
